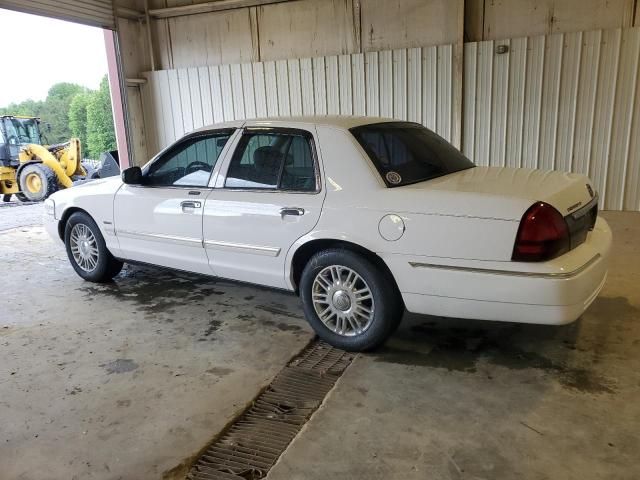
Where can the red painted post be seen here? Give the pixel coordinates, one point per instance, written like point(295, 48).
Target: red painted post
point(117, 104)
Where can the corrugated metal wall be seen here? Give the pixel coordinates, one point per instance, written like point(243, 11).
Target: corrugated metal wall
point(415, 84)
point(564, 101)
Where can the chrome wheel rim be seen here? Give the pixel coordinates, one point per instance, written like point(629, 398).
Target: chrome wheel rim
point(342, 300)
point(84, 247)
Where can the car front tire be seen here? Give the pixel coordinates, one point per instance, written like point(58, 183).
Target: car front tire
point(349, 302)
point(87, 250)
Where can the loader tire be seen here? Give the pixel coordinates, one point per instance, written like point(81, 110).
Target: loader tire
point(37, 182)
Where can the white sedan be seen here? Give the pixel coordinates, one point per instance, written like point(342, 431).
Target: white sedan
point(363, 217)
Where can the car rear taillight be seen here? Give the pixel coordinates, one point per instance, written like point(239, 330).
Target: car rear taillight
point(543, 234)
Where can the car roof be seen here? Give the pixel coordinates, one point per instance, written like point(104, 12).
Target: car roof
point(340, 121)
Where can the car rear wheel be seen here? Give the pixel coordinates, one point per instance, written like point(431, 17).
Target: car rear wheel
point(349, 302)
point(87, 250)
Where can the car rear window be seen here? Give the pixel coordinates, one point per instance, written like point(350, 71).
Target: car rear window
point(406, 153)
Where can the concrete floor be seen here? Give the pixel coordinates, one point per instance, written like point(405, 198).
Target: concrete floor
point(453, 399)
point(130, 379)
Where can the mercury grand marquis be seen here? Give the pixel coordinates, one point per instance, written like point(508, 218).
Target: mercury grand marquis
point(362, 217)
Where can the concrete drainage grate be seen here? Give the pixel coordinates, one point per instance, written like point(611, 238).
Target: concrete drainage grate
point(252, 444)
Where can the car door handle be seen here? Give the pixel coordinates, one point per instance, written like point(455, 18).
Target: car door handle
point(291, 211)
point(190, 204)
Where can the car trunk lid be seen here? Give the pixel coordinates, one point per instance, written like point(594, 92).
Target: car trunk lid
point(567, 192)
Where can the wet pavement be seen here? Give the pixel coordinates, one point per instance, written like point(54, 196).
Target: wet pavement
point(129, 379)
point(458, 399)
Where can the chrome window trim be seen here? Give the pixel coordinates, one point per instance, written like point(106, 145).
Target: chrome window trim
point(173, 187)
point(511, 273)
point(264, 190)
point(243, 248)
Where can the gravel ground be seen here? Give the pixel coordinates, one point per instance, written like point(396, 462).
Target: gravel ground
point(17, 214)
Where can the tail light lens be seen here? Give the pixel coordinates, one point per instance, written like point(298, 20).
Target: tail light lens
point(543, 234)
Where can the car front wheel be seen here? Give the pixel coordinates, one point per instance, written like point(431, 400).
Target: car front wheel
point(87, 250)
point(349, 302)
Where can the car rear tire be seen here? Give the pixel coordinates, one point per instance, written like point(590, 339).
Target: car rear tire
point(37, 182)
point(87, 250)
point(349, 302)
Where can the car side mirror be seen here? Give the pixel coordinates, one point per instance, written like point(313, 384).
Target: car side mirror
point(132, 176)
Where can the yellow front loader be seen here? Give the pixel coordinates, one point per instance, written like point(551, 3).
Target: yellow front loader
point(30, 170)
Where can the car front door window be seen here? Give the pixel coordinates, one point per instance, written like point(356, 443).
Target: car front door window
point(189, 163)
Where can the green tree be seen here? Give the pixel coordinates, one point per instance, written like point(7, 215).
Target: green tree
point(55, 111)
point(101, 135)
point(28, 108)
point(73, 111)
point(78, 118)
point(64, 91)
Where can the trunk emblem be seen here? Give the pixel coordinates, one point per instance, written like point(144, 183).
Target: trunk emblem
point(590, 190)
point(573, 207)
point(393, 177)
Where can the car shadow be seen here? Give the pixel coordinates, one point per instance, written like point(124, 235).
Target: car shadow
point(179, 298)
point(565, 353)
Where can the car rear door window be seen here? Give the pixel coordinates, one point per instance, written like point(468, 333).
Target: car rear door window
point(189, 163)
point(273, 160)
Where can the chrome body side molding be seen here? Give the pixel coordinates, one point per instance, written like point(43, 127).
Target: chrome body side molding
point(489, 271)
point(189, 241)
point(243, 248)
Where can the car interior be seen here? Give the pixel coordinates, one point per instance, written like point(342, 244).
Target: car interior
point(272, 161)
point(190, 165)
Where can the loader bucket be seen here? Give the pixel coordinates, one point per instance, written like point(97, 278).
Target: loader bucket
point(109, 164)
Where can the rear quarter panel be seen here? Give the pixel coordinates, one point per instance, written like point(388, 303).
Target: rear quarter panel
point(436, 225)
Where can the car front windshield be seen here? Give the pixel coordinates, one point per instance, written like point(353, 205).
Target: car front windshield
point(406, 153)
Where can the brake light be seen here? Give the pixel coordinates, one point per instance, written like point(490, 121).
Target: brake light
point(543, 234)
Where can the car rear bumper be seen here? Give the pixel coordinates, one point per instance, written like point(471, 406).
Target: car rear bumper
point(555, 292)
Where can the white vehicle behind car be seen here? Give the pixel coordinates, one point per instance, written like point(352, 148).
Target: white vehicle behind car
point(363, 217)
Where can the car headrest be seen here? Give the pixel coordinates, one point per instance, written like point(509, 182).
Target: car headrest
point(266, 157)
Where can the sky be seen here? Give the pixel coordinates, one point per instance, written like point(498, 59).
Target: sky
point(39, 52)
